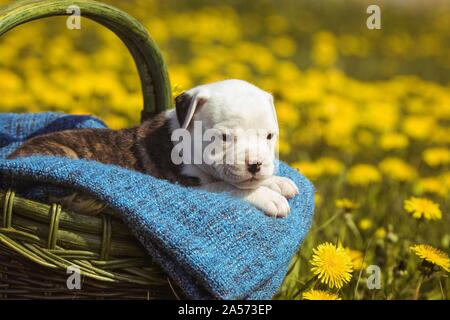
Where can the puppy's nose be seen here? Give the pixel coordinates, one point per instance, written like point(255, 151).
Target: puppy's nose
point(254, 167)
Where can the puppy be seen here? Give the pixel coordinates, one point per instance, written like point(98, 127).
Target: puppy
point(229, 130)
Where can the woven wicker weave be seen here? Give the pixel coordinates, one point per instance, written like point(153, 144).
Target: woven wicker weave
point(39, 241)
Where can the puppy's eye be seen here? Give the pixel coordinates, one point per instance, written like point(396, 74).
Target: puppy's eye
point(269, 136)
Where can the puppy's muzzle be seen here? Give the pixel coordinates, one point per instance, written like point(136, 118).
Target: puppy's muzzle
point(254, 168)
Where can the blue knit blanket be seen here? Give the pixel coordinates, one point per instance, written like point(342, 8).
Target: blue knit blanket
point(212, 245)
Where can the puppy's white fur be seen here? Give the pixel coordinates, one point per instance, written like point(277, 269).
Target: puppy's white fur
point(244, 110)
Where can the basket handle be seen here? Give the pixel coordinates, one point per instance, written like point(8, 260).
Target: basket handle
point(152, 70)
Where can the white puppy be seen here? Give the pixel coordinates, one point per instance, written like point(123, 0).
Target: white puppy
point(237, 120)
point(228, 132)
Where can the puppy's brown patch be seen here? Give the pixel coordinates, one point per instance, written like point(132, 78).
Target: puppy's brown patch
point(145, 148)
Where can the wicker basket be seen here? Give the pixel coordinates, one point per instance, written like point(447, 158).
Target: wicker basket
point(38, 242)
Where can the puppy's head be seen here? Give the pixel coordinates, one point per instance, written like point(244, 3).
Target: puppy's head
point(234, 129)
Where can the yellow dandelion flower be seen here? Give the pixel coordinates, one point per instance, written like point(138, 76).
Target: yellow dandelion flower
point(365, 224)
point(238, 70)
point(283, 46)
point(440, 135)
point(317, 199)
point(330, 166)
point(309, 169)
point(380, 116)
point(324, 52)
point(397, 169)
point(176, 90)
point(181, 76)
point(423, 208)
point(436, 156)
point(362, 175)
point(286, 72)
point(431, 185)
point(10, 81)
point(357, 258)
point(380, 233)
point(444, 178)
point(391, 141)
point(346, 204)
point(116, 122)
point(332, 265)
point(320, 295)
point(287, 113)
point(418, 127)
point(432, 255)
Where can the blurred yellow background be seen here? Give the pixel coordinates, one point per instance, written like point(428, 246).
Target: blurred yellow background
point(363, 113)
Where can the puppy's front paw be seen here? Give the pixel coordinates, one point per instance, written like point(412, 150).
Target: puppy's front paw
point(282, 185)
point(271, 202)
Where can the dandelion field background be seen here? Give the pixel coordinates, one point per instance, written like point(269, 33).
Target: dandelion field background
point(363, 113)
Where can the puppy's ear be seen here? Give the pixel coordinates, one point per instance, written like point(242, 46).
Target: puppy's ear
point(186, 104)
